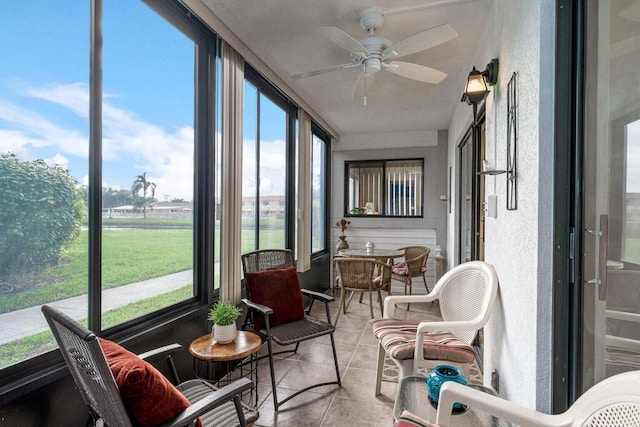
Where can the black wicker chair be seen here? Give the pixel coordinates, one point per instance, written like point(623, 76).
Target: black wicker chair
point(261, 317)
point(92, 375)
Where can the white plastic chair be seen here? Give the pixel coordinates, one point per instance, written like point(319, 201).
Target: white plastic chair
point(466, 295)
point(613, 402)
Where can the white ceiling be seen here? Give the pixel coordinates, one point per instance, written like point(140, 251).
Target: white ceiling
point(284, 34)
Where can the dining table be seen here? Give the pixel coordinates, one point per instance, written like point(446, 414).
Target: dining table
point(383, 255)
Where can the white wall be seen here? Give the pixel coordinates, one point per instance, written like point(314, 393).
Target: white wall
point(518, 243)
point(430, 145)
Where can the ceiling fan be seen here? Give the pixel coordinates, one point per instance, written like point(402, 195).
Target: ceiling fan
point(376, 53)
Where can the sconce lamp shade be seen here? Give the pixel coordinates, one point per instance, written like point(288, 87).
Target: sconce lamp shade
point(476, 88)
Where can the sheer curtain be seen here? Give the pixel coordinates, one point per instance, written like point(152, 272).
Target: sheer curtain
point(303, 208)
point(231, 221)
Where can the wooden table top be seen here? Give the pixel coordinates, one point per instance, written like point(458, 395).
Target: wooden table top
point(204, 348)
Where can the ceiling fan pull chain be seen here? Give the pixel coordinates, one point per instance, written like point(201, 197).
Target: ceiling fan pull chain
point(364, 101)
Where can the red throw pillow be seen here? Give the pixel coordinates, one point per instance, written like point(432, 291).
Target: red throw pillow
point(280, 291)
point(149, 397)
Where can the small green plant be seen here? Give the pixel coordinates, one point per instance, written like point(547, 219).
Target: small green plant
point(224, 313)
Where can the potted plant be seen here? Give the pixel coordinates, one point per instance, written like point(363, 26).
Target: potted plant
point(223, 314)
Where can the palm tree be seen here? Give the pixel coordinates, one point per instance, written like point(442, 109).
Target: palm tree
point(141, 183)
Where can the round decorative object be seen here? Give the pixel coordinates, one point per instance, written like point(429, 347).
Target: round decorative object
point(224, 334)
point(370, 246)
point(342, 243)
point(438, 376)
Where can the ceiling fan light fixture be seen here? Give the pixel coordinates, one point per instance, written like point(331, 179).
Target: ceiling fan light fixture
point(372, 66)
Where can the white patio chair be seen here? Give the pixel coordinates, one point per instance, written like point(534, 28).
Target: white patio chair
point(613, 402)
point(466, 295)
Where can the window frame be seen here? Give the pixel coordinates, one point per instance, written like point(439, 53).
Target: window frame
point(36, 372)
point(265, 88)
point(325, 191)
point(382, 208)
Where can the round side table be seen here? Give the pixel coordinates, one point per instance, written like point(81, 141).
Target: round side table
point(207, 351)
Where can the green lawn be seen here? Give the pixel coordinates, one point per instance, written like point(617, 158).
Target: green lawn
point(34, 345)
point(129, 255)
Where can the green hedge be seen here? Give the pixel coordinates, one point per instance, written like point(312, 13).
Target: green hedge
point(40, 211)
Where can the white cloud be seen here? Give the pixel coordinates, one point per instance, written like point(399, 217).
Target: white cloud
point(38, 132)
point(166, 157)
point(273, 167)
point(128, 143)
point(59, 160)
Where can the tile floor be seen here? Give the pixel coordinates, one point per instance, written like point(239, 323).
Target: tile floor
point(352, 404)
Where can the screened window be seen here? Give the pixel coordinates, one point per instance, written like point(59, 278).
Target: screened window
point(114, 191)
point(318, 192)
point(392, 188)
point(266, 172)
point(43, 115)
point(147, 152)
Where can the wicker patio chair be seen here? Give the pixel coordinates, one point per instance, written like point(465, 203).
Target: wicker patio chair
point(466, 295)
point(123, 389)
point(267, 259)
point(414, 265)
point(276, 309)
point(361, 275)
point(613, 402)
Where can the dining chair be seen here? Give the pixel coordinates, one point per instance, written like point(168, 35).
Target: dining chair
point(414, 265)
point(361, 275)
point(466, 296)
point(121, 388)
point(613, 402)
point(277, 313)
point(267, 259)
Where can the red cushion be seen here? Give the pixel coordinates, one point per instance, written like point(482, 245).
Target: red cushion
point(149, 397)
point(280, 291)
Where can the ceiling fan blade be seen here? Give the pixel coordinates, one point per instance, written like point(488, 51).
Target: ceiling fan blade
point(415, 72)
point(324, 70)
point(344, 40)
point(421, 41)
point(363, 86)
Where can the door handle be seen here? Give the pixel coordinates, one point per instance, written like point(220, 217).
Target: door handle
point(603, 256)
point(603, 250)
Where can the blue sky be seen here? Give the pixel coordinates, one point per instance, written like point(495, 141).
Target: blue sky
point(147, 94)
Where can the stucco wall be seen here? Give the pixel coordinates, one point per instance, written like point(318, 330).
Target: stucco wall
point(518, 242)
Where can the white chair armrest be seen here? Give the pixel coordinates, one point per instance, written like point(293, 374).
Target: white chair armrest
point(391, 301)
point(454, 325)
point(451, 393)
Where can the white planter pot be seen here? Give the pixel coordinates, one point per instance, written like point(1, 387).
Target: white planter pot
point(224, 334)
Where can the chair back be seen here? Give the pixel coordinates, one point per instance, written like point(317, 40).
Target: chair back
point(416, 259)
point(91, 373)
point(613, 402)
point(467, 292)
point(267, 259)
point(359, 273)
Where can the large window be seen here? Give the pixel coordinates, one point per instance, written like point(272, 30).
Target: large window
point(266, 171)
point(319, 150)
point(98, 173)
point(391, 188)
point(147, 152)
point(44, 126)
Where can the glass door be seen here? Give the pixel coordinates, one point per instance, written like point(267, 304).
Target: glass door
point(611, 203)
point(471, 195)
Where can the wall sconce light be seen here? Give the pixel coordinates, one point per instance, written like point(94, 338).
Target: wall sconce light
point(476, 88)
